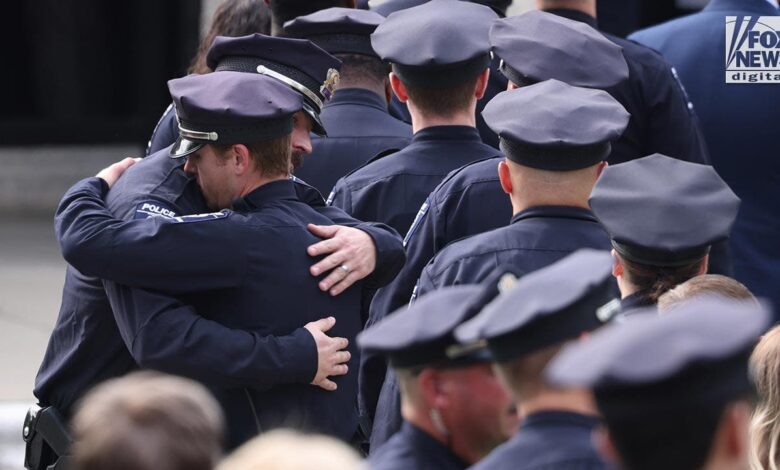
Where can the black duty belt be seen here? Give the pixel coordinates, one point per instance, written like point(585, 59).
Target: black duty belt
point(47, 439)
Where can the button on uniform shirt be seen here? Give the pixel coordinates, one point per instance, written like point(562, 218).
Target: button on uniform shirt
point(73, 363)
point(237, 268)
point(739, 131)
point(359, 128)
point(548, 440)
point(392, 188)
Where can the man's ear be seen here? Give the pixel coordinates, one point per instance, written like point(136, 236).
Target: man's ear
point(398, 88)
point(388, 91)
point(431, 383)
point(504, 177)
point(603, 443)
point(705, 265)
point(735, 428)
point(601, 167)
point(241, 159)
point(482, 83)
point(617, 266)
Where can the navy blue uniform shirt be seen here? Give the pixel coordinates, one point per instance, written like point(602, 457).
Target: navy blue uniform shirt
point(86, 346)
point(392, 188)
point(739, 128)
point(410, 449)
point(548, 440)
point(536, 237)
point(359, 128)
point(237, 268)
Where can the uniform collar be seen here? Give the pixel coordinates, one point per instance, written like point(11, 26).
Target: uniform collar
point(433, 450)
point(273, 191)
point(634, 301)
point(447, 133)
point(558, 418)
point(575, 15)
point(564, 212)
point(753, 6)
point(359, 96)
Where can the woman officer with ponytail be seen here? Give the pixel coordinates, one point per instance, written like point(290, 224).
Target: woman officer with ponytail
point(662, 215)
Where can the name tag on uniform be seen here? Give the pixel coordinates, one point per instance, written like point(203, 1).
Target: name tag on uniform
point(148, 209)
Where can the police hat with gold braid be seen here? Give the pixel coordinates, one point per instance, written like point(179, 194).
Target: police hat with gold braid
point(303, 66)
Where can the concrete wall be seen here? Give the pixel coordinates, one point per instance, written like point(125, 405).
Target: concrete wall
point(33, 179)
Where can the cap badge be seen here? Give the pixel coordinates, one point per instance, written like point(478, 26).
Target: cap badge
point(328, 87)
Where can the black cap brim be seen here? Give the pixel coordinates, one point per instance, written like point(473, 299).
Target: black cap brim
point(317, 126)
point(183, 147)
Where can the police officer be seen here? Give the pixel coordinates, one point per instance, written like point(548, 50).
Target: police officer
point(454, 410)
point(525, 327)
point(496, 82)
point(662, 215)
point(359, 125)
point(737, 126)
point(440, 55)
point(555, 151)
point(674, 390)
point(534, 44)
point(158, 186)
point(237, 268)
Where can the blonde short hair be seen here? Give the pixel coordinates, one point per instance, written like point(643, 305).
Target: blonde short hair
point(706, 284)
point(765, 423)
point(290, 450)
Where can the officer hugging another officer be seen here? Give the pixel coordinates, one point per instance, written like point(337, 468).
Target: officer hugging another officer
point(523, 330)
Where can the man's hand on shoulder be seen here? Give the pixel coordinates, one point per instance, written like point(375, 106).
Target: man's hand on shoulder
point(351, 256)
point(111, 173)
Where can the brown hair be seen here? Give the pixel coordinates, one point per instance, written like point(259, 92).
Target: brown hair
point(147, 420)
point(232, 18)
point(443, 101)
point(272, 157)
point(653, 281)
point(703, 285)
point(765, 423)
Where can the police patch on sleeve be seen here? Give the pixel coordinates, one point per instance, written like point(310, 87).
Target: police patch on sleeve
point(201, 217)
point(153, 208)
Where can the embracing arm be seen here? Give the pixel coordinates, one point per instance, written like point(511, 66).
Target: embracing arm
point(147, 253)
point(164, 334)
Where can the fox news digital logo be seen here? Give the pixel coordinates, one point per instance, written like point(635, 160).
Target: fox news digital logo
point(753, 49)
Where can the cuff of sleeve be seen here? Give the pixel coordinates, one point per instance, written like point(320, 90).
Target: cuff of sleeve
point(99, 184)
point(303, 360)
point(390, 256)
